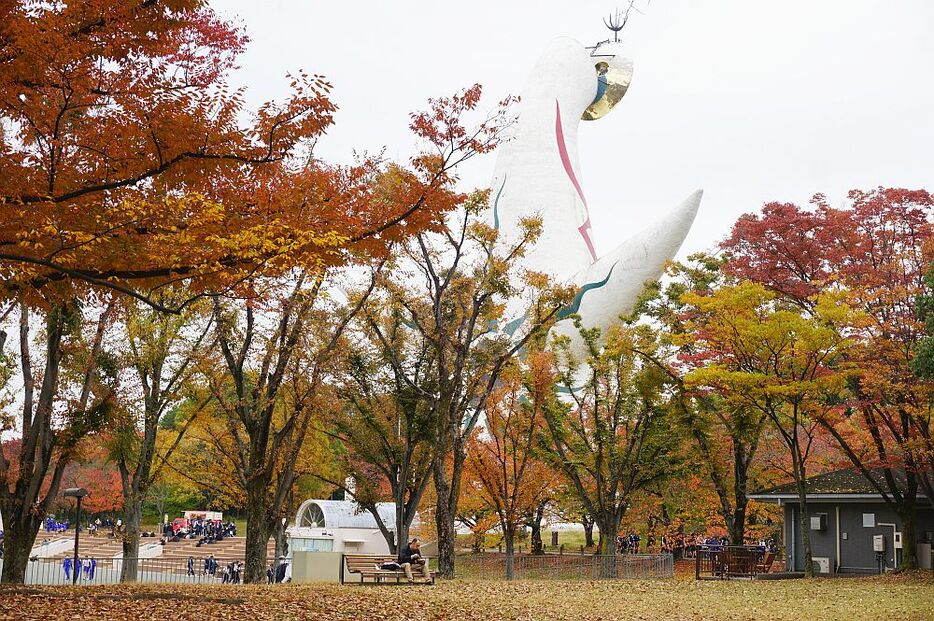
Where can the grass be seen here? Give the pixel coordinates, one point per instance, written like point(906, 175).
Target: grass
point(905, 598)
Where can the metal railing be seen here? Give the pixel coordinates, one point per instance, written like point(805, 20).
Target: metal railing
point(724, 562)
point(152, 570)
point(566, 567)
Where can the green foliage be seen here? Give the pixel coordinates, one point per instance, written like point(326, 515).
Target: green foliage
point(611, 434)
point(922, 364)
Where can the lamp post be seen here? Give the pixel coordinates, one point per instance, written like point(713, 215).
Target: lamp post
point(78, 493)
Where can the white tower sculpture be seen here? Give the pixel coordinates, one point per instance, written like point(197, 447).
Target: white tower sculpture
point(539, 172)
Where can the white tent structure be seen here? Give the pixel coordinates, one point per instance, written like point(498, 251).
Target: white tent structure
point(340, 526)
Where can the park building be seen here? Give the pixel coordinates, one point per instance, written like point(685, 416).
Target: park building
point(852, 529)
point(341, 526)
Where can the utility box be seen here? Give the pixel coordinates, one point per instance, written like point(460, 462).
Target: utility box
point(924, 556)
point(821, 564)
point(878, 543)
point(317, 566)
point(819, 522)
point(897, 541)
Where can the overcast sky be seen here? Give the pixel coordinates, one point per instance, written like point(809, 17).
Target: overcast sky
point(752, 101)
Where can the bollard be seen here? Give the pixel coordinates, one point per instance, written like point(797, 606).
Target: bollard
point(561, 549)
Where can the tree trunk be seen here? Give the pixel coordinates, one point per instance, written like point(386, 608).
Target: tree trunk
point(401, 538)
point(282, 543)
point(509, 534)
point(805, 528)
point(588, 523)
point(737, 526)
point(19, 537)
point(258, 532)
point(444, 522)
point(909, 546)
point(607, 546)
point(536, 525)
point(159, 505)
point(132, 516)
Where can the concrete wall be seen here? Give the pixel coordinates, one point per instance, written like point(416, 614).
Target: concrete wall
point(849, 546)
point(317, 566)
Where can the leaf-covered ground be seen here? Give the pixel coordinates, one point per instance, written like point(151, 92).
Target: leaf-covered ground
point(855, 599)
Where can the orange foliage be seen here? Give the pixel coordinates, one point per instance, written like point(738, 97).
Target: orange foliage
point(126, 166)
point(503, 470)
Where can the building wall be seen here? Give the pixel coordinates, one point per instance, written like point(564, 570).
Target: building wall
point(856, 553)
point(347, 540)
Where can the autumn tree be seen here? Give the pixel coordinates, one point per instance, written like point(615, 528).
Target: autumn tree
point(502, 456)
point(725, 434)
point(161, 350)
point(610, 433)
point(567, 507)
point(385, 426)
point(92, 469)
point(125, 164)
point(118, 140)
point(874, 249)
point(271, 361)
point(474, 513)
point(775, 360)
point(923, 366)
point(457, 286)
point(257, 361)
point(66, 393)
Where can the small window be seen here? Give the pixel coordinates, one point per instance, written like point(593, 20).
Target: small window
point(313, 545)
point(313, 517)
point(869, 520)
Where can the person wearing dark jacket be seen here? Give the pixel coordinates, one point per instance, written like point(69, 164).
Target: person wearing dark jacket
point(281, 569)
point(409, 556)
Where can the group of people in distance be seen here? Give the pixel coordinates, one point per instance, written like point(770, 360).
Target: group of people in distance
point(86, 566)
point(206, 531)
point(280, 573)
point(51, 525)
point(631, 543)
point(763, 545)
point(232, 572)
point(680, 544)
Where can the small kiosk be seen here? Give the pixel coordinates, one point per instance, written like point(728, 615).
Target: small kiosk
point(324, 530)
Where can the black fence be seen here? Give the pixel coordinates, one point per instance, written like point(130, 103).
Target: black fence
point(487, 566)
point(725, 562)
point(152, 570)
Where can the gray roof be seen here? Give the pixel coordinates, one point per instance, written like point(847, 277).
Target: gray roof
point(348, 514)
point(846, 481)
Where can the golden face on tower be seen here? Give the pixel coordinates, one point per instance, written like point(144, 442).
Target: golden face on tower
point(613, 77)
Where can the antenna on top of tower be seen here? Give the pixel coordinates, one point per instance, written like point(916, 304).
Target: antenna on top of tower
point(617, 20)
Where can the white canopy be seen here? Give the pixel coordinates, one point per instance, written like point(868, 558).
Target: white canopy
point(333, 514)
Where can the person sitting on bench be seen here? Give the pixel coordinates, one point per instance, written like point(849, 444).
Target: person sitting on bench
point(410, 556)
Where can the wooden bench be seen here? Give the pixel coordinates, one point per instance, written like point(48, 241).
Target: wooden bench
point(765, 566)
point(366, 566)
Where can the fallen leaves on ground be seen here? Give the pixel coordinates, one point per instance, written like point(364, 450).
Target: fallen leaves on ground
point(851, 599)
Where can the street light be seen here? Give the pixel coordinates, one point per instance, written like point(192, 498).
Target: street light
point(79, 493)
